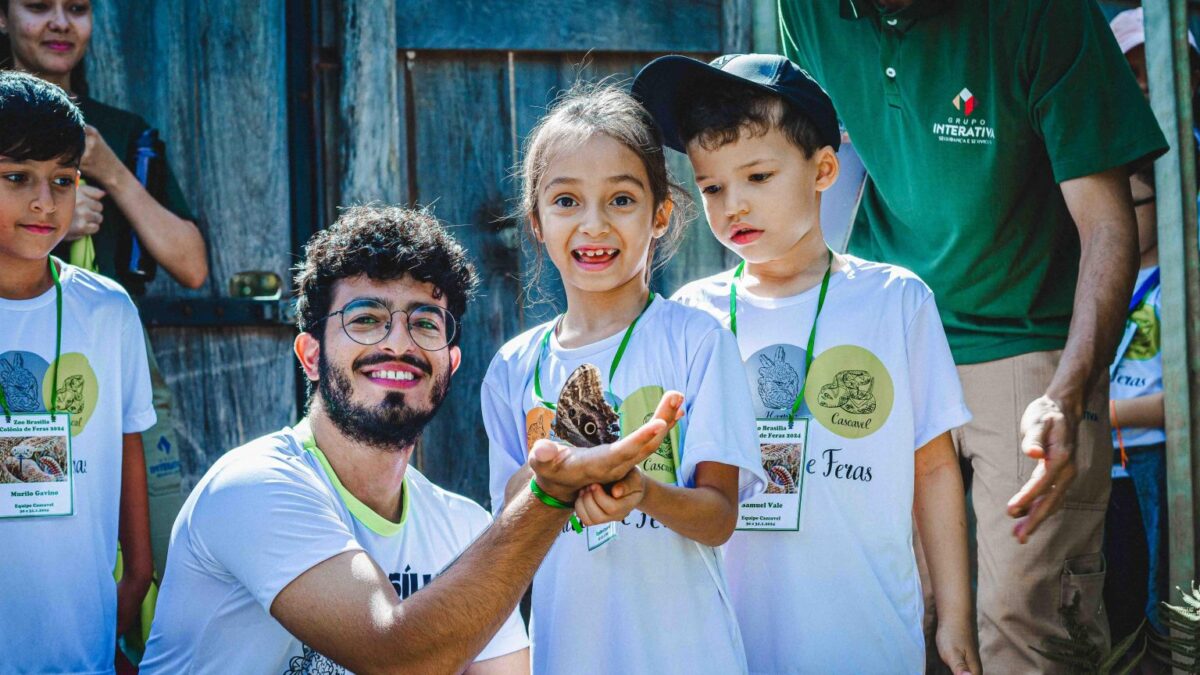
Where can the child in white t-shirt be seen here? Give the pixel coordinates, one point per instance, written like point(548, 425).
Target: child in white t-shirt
point(75, 395)
point(851, 379)
point(642, 588)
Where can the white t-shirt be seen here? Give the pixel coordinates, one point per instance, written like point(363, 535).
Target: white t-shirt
point(263, 515)
point(1139, 372)
point(58, 607)
point(649, 601)
point(842, 593)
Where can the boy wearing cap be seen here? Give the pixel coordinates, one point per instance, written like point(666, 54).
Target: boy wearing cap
point(852, 380)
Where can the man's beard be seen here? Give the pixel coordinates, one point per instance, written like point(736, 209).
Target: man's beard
point(391, 425)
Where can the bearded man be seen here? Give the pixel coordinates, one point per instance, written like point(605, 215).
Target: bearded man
point(303, 551)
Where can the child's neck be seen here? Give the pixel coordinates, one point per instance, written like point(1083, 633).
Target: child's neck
point(796, 271)
point(1149, 257)
point(24, 279)
point(595, 315)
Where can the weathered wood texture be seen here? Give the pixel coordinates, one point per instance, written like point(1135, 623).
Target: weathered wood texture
point(562, 25)
point(210, 75)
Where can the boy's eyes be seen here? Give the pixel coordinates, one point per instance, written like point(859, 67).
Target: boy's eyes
point(760, 177)
point(14, 177)
point(57, 181)
point(64, 181)
point(710, 189)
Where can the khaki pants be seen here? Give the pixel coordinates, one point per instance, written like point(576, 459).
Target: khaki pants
point(1022, 587)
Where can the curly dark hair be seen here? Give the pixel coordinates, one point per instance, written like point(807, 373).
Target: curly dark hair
point(383, 243)
point(718, 115)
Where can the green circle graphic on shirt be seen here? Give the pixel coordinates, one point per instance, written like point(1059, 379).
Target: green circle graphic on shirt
point(78, 390)
point(849, 391)
point(636, 410)
point(1146, 341)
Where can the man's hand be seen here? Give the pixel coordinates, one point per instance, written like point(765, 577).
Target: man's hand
point(563, 470)
point(88, 212)
point(956, 647)
point(595, 506)
point(1048, 435)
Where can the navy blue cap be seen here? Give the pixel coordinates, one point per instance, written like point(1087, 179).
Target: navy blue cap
point(666, 80)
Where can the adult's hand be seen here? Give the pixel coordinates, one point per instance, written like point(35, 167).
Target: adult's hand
point(564, 470)
point(99, 161)
point(89, 212)
point(1048, 432)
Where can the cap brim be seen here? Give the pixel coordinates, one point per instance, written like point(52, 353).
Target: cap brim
point(663, 82)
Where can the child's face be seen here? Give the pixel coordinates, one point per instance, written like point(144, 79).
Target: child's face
point(596, 214)
point(49, 37)
point(37, 200)
point(761, 194)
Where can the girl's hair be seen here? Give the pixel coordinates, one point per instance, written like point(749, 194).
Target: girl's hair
point(583, 111)
point(79, 85)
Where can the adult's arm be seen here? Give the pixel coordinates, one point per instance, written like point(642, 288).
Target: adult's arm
point(133, 531)
point(1102, 209)
point(174, 242)
point(346, 608)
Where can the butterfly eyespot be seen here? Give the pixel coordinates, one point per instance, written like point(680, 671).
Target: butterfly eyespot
point(614, 429)
point(589, 428)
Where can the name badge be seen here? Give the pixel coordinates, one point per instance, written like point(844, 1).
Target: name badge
point(599, 535)
point(35, 466)
point(783, 455)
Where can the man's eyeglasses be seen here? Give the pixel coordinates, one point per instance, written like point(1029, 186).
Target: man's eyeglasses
point(369, 322)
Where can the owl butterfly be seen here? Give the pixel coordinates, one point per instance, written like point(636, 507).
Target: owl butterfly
point(583, 417)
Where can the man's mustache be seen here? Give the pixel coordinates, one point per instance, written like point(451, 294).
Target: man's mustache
point(378, 358)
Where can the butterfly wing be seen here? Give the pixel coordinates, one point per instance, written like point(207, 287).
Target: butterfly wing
point(583, 417)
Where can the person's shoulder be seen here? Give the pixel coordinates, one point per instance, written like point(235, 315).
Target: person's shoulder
point(94, 292)
point(262, 465)
point(97, 113)
point(518, 349)
point(677, 320)
point(884, 279)
point(460, 512)
point(705, 290)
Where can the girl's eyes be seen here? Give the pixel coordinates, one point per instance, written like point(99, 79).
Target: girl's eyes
point(760, 177)
point(622, 200)
point(564, 202)
point(710, 189)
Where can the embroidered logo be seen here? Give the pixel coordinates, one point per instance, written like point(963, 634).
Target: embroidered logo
point(965, 101)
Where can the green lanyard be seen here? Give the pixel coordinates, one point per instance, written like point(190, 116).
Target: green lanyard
point(612, 368)
point(812, 334)
point(57, 351)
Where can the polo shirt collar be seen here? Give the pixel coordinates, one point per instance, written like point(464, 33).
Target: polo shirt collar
point(858, 9)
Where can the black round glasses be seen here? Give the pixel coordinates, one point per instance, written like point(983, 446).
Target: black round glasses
point(369, 322)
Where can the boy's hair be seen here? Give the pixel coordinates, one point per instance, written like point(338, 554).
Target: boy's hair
point(582, 112)
point(37, 121)
point(720, 115)
point(382, 243)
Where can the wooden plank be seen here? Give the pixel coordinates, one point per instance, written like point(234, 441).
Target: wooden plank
point(372, 149)
point(561, 25)
point(737, 26)
point(463, 152)
point(226, 126)
point(1175, 178)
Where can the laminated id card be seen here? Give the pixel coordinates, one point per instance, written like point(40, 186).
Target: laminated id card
point(783, 454)
point(35, 466)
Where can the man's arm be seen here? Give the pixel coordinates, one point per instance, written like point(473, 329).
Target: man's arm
point(346, 608)
point(133, 532)
point(1102, 209)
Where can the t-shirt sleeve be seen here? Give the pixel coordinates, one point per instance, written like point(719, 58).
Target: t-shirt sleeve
point(137, 398)
point(506, 442)
point(934, 387)
point(1086, 128)
point(720, 415)
point(265, 526)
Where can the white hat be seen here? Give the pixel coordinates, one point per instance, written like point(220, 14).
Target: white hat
point(1129, 27)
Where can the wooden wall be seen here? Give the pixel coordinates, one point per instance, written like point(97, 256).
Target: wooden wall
point(416, 102)
point(210, 75)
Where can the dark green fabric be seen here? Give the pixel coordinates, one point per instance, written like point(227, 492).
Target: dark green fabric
point(120, 130)
point(970, 202)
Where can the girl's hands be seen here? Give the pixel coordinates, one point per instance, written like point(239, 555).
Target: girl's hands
point(595, 506)
point(956, 646)
point(89, 212)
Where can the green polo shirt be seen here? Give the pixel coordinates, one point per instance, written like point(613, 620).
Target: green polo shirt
point(967, 116)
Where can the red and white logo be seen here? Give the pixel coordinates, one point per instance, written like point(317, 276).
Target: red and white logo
point(965, 101)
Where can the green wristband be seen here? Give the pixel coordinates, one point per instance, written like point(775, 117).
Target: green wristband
point(554, 502)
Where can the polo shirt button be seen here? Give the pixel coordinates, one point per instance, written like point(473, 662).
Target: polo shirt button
point(891, 72)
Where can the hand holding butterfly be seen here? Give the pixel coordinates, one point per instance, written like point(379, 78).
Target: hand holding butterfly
point(563, 470)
